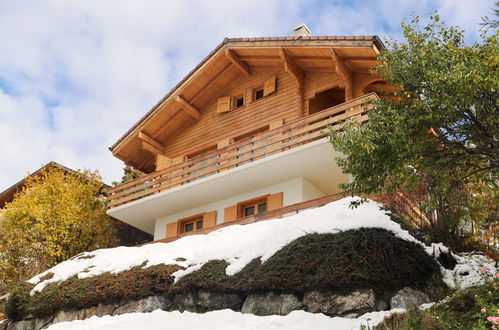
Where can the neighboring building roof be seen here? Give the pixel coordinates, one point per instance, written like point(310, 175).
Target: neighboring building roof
point(8, 194)
point(289, 41)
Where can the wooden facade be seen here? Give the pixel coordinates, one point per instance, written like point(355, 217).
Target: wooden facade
point(238, 153)
point(248, 100)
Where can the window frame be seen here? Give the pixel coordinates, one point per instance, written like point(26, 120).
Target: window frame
point(194, 220)
point(254, 202)
point(236, 97)
point(256, 90)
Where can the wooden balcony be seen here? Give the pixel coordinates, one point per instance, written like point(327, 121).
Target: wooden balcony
point(240, 153)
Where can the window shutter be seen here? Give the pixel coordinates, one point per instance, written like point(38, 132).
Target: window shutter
point(230, 213)
point(209, 219)
point(269, 86)
point(172, 229)
point(223, 104)
point(274, 201)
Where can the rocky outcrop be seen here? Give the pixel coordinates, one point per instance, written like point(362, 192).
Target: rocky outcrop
point(353, 304)
point(407, 298)
point(271, 304)
point(204, 300)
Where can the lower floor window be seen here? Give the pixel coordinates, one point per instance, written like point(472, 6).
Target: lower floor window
point(191, 224)
point(252, 207)
point(259, 208)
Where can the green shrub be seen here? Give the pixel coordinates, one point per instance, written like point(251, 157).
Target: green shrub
point(467, 309)
point(77, 293)
point(346, 261)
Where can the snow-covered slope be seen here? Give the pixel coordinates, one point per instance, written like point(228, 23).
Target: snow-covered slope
point(238, 245)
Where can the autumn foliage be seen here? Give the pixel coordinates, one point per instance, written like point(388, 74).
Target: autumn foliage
point(57, 215)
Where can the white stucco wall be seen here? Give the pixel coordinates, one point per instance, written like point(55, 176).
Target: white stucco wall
point(310, 191)
point(294, 191)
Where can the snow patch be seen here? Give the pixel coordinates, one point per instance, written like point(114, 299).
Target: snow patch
point(222, 320)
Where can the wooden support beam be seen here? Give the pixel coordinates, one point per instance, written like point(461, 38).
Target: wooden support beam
point(144, 137)
point(345, 73)
point(189, 108)
point(291, 67)
point(149, 144)
point(149, 147)
point(295, 71)
point(232, 56)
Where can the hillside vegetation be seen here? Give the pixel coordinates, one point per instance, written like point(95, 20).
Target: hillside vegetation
point(343, 262)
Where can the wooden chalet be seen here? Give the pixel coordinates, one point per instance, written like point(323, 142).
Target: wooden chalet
point(241, 136)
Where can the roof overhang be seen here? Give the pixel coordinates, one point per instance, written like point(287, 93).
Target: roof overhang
point(245, 56)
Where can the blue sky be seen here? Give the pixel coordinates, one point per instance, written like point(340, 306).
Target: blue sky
point(75, 75)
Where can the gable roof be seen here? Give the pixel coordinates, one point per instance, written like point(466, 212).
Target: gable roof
point(240, 43)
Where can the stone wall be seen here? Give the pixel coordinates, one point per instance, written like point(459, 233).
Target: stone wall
point(268, 303)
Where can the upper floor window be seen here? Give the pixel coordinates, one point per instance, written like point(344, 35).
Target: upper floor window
point(238, 100)
point(258, 94)
point(229, 103)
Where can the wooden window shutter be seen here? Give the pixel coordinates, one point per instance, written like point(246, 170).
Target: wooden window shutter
point(274, 201)
point(269, 86)
point(172, 229)
point(230, 213)
point(223, 104)
point(209, 219)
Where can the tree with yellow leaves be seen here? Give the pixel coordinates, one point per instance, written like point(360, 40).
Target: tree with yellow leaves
point(57, 215)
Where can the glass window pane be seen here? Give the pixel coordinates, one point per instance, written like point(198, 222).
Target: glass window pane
point(189, 227)
point(259, 94)
point(250, 210)
point(262, 207)
point(199, 224)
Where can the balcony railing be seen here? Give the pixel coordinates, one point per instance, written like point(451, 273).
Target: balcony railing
point(288, 136)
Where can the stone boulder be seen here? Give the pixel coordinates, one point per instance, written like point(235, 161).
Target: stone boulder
point(408, 297)
point(22, 325)
point(330, 303)
point(145, 305)
point(204, 300)
point(271, 304)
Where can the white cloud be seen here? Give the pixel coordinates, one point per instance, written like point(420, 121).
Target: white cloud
point(75, 75)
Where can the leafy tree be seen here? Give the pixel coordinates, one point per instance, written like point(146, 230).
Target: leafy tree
point(493, 23)
point(129, 173)
point(57, 215)
point(440, 131)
